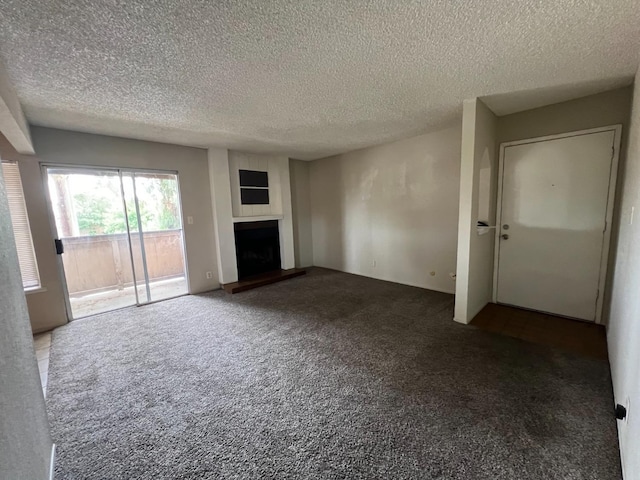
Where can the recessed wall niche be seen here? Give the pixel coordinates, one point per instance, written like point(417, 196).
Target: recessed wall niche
point(254, 187)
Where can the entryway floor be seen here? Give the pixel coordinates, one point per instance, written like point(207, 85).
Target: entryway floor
point(42, 346)
point(581, 337)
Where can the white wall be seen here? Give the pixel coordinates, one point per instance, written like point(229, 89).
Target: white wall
point(227, 209)
point(25, 442)
point(390, 212)
point(73, 148)
point(301, 207)
point(221, 201)
point(474, 284)
point(262, 163)
point(624, 321)
point(287, 246)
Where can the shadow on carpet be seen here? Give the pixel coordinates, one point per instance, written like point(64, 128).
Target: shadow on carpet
point(325, 376)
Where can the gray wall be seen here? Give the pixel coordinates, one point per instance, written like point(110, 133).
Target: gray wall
point(390, 212)
point(301, 206)
point(73, 148)
point(603, 109)
point(624, 319)
point(25, 442)
point(46, 307)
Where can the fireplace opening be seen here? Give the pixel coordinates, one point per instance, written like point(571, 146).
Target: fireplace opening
point(257, 248)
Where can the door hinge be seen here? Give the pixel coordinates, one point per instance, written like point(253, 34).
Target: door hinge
point(59, 246)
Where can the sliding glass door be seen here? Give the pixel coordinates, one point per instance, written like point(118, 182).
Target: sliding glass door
point(119, 236)
point(156, 234)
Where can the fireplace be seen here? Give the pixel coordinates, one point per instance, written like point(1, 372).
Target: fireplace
point(257, 248)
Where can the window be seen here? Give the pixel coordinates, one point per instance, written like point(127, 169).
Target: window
point(20, 221)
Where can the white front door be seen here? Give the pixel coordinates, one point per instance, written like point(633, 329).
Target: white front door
point(554, 204)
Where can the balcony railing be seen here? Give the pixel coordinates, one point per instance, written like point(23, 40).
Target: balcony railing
point(103, 262)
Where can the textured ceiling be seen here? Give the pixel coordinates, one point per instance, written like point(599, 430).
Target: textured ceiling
point(301, 77)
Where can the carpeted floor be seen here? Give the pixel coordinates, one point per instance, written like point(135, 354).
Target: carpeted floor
point(325, 376)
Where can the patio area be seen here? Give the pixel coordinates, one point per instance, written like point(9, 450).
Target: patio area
point(94, 303)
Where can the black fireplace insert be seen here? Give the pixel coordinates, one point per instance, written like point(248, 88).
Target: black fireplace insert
point(257, 248)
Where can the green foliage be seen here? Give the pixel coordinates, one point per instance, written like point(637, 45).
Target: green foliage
point(92, 213)
point(117, 225)
point(169, 218)
point(100, 211)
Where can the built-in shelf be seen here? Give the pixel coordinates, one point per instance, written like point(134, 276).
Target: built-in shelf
point(258, 218)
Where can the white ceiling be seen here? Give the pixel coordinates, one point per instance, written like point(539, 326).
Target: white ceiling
point(300, 77)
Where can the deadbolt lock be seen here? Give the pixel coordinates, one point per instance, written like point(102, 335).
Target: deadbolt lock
point(505, 236)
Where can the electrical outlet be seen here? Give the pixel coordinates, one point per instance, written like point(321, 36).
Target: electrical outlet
point(190, 220)
point(209, 275)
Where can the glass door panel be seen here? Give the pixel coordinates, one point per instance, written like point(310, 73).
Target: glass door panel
point(135, 237)
point(122, 236)
point(90, 220)
point(158, 234)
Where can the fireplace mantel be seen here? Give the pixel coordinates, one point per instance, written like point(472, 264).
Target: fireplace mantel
point(258, 218)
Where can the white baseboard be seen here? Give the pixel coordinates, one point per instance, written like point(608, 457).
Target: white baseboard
point(52, 463)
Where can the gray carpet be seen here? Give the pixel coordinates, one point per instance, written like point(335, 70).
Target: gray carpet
point(325, 376)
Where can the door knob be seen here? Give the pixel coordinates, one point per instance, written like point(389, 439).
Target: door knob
point(505, 236)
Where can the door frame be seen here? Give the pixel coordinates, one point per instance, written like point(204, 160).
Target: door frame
point(613, 176)
point(54, 229)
